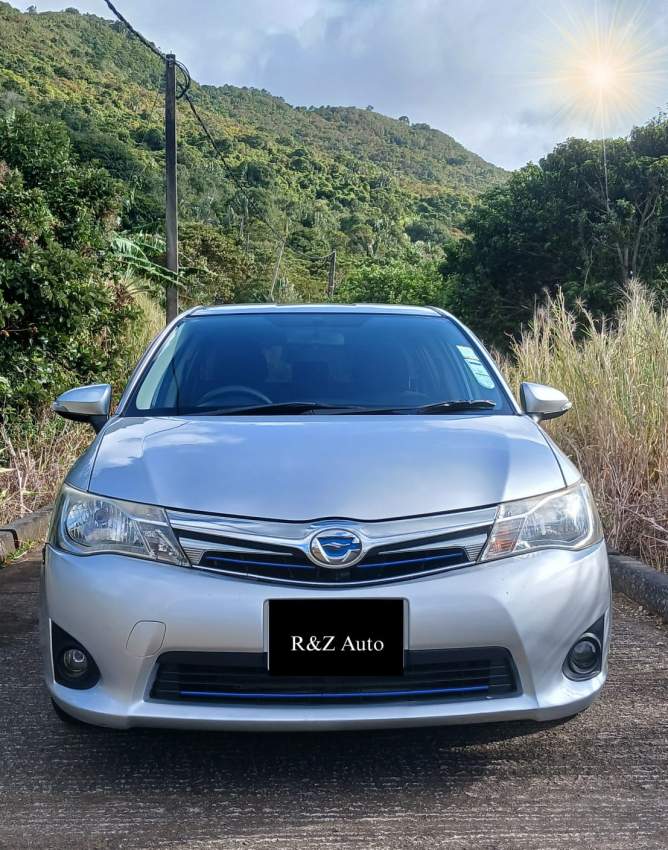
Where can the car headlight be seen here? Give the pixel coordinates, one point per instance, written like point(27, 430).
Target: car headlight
point(88, 524)
point(567, 519)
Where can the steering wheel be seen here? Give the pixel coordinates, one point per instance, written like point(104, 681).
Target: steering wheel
point(217, 394)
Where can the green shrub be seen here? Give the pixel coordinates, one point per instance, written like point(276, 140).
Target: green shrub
point(62, 314)
point(395, 282)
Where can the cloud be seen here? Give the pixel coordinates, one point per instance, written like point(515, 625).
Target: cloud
point(468, 68)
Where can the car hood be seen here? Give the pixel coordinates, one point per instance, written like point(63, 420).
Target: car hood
point(313, 466)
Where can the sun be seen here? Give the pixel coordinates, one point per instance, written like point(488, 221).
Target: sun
point(604, 67)
point(601, 76)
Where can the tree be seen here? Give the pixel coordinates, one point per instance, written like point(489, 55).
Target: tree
point(561, 224)
point(395, 282)
point(220, 271)
point(61, 313)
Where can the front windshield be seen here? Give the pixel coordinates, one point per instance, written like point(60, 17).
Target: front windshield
point(214, 363)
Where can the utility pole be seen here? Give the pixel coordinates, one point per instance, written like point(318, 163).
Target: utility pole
point(331, 278)
point(171, 216)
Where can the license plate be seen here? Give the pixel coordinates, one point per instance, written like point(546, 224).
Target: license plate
point(336, 637)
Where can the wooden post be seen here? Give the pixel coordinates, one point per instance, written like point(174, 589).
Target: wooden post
point(171, 216)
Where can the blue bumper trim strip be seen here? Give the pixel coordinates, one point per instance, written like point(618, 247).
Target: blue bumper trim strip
point(325, 695)
point(288, 566)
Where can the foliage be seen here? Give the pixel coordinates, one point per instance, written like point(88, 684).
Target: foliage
point(148, 321)
point(616, 375)
point(554, 225)
point(395, 282)
point(60, 312)
point(142, 256)
point(220, 268)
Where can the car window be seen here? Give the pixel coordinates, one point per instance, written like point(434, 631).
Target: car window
point(218, 361)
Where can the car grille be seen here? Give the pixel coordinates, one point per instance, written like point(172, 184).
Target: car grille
point(277, 551)
point(287, 563)
point(242, 677)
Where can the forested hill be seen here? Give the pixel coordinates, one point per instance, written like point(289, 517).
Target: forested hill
point(374, 188)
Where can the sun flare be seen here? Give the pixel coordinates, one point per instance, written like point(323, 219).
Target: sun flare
point(604, 69)
point(601, 76)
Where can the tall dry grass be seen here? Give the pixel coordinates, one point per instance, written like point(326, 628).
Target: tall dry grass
point(616, 375)
point(36, 450)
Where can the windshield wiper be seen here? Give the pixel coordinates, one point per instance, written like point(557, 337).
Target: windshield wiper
point(280, 408)
point(283, 407)
point(457, 406)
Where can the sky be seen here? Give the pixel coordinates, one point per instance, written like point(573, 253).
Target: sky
point(504, 77)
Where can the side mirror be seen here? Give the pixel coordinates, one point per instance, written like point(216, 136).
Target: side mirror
point(85, 404)
point(542, 402)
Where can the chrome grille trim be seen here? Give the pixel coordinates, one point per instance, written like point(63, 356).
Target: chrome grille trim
point(472, 544)
point(194, 549)
point(377, 532)
point(211, 534)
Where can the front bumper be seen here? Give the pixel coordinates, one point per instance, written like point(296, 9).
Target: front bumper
point(127, 612)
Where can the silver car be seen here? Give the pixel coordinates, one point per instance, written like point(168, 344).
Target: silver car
point(321, 517)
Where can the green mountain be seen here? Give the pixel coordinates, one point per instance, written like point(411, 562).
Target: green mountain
point(374, 188)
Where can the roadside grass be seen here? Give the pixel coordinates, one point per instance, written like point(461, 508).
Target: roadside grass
point(151, 322)
point(19, 553)
point(616, 375)
point(37, 449)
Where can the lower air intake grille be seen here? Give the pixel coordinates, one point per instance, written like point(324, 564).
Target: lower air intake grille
point(242, 677)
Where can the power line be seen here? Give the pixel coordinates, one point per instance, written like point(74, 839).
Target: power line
point(184, 93)
point(185, 86)
point(186, 73)
point(135, 32)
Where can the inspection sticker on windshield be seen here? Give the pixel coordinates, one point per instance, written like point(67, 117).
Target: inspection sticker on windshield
point(481, 374)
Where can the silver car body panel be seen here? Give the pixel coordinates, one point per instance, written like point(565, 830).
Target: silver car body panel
point(535, 605)
point(299, 468)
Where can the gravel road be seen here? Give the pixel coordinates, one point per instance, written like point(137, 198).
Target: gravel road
point(598, 781)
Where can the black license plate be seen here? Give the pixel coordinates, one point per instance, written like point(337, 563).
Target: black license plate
point(336, 637)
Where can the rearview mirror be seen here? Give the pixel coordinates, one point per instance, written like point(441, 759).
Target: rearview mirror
point(85, 404)
point(542, 402)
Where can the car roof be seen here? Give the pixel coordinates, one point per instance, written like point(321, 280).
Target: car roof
point(387, 309)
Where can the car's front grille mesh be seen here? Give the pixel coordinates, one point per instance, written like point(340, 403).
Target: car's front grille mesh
point(285, 562)
point(241, 678)
point(278, 550)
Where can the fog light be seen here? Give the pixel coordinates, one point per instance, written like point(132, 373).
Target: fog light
point(73, 665)
point(584, 659)
point(75, 662)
